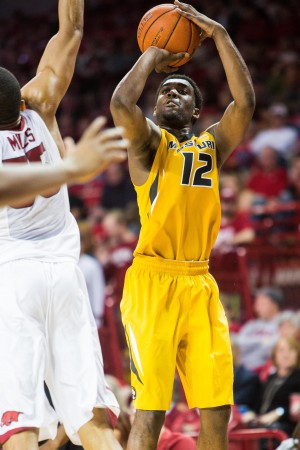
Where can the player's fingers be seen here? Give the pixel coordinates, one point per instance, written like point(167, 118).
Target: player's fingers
point(111, 134)
point(179, 56)
point(117, 156)
point(113, 155)
point(69, 144)
point(113, 144)
point(184, 7)
point(94, 127)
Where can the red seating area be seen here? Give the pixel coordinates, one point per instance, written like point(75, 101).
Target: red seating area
point(109, 339)
point(251, 439)
point(272, 259)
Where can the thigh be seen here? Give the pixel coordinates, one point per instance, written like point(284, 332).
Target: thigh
point(25, 440)
point(150, 313)
point(75, 374)
point(204, 357)
point(23, 351)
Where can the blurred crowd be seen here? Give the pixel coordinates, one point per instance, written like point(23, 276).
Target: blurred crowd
point(259, 184)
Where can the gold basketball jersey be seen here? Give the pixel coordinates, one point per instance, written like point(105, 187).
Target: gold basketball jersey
point(179, 204)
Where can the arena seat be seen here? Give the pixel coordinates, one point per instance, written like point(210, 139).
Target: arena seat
point(109, 340)
point(231, 273)
point(252, 439)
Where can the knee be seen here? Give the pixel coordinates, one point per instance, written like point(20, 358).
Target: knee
point(101, 418)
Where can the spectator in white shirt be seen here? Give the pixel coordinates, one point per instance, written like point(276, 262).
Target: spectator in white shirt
point(279, 135)
point(257, 337)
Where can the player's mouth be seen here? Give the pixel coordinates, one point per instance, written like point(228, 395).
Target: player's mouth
point(171, 103)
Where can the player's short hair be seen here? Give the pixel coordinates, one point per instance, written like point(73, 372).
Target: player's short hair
point(10, 96)
point(197, 92)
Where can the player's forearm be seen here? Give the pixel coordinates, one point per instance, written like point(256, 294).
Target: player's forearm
point(129, 90)
point(70, 14)
point(19, 182)
point(237, 73)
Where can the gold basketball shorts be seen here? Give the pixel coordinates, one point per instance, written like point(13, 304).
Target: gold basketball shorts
point(173, 318)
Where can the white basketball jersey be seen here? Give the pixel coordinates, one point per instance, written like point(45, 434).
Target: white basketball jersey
point(44, 229)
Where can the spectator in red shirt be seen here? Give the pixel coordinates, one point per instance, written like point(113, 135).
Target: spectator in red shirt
point(294, 179)
point(268, 179)
point(236, 227)
point(116, 250)
point(175, 441)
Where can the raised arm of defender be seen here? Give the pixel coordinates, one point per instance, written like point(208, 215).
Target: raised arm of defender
point(231, 129)
point(55, 71)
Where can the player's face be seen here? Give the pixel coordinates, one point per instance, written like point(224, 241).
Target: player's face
point(175, 104)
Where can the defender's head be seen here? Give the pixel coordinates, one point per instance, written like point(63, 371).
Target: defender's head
point(10, 98)
point(178, 101)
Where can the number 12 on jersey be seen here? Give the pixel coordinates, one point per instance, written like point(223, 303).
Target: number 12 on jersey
point(199, 178)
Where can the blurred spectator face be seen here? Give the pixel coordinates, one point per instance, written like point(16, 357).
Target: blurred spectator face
point(278, 113)
point(286, 354)
point(289, 324)
point(288, 329)
point(114, 174)
point(229, 203)
point(230, 181)
point(268, 159)
point(113, 224)
point(264, 307)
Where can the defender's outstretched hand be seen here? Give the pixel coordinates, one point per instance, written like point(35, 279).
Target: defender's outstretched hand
point(95, 150)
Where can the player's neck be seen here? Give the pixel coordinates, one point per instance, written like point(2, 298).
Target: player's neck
point(182, 134)
point(12, 125)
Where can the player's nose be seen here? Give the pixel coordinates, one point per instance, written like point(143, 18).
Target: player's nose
point(172, 93)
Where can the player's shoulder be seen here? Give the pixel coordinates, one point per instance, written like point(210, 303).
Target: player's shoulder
point(33, 118)
point(206, 135)
point(30, 114)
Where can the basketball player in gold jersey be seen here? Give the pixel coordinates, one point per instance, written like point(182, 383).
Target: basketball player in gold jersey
point(170, 307)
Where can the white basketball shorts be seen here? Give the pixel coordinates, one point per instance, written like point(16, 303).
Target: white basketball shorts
point(47, 332)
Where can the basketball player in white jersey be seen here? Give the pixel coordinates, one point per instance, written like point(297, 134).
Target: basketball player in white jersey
point(83, 161)
point(47, 331)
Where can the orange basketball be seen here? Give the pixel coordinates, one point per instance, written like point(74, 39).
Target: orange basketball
point(163, 27)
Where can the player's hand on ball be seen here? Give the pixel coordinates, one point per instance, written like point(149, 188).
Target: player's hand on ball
point(163, 58)
point(207, 25)
point(96, 149)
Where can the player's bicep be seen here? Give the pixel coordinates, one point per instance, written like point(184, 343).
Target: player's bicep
point(60, 54)
point(230, 130)
point(46, 90)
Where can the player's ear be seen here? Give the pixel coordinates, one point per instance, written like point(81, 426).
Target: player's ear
point(154, 111)
point(196, 113)
point(22, 105)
